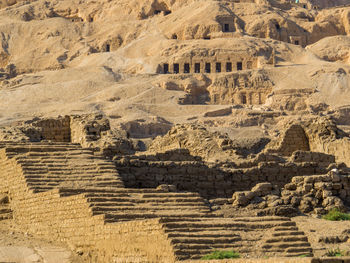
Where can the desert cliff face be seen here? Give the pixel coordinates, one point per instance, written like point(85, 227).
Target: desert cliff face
point(220, 98)
point(109, 58)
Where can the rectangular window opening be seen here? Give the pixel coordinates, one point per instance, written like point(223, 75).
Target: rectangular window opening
point(218, 67)
point(166, 68)
point(186, 68)
point(197, 68)
point(244, 99)
point(228, 67)
point(176, 69)
point(239, 66)
point(207, 68)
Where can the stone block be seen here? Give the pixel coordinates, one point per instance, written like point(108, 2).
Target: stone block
point(337, 186)
point(326, 193)
point(335, 177)
point(262, 187)
point(309, 179)
point(290, 186)
point(297, 179)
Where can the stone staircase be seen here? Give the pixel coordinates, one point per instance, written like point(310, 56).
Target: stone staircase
point(137, 204)
point(49, 166)
point(196, 237)
point(287, 241)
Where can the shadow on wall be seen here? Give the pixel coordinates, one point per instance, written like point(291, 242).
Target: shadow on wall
point(143, 129)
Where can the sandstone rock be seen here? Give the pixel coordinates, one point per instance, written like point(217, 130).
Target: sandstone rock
point(333, 239)
point(326, 194)
point(239, 199)
point(333, 202)
point(306, 205)
point(290, 186)
point(262, 188)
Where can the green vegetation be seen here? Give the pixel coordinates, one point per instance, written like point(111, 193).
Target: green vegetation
point(336, 215)
point(305, 256)
point(335, 253)
point(221, 255)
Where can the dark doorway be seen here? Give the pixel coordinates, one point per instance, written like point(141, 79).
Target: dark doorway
point(108, 48)
point(304, 6)
point(218, 67)
point(226, 28)
point(278, 27)
point(244, 99)
point(176, 69)
point(197, 68)
point(187, 68)
point(166, 68)
point(207, 68)
point(296, 42)
point(228, 67)
point(174, 36)
point(239, 66)
point(167, 12)
point(91, 19)
point(156, 12)
point(207, 38)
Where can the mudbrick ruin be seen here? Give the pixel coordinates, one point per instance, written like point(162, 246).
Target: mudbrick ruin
point(146, 131)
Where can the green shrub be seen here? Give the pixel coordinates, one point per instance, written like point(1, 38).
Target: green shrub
point(335, 253)
point(336, 215)
point(221, 255)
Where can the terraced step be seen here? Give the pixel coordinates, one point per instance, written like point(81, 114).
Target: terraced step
point(228, 224)
point(288, 233)
point(287, 242)
point(209, 233)
point(287, 239)
point(261, 219)
point(131, 209)
point(213, 246)
point(193, 238)
point(290, 228)
point(205, 240)
point(119, 217)
point(50, 166)
point(125, 197)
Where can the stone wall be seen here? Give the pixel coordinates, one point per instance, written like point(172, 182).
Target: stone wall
point(212, 180)
point(339, 148)
point(88, 128)
point(55, 129)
